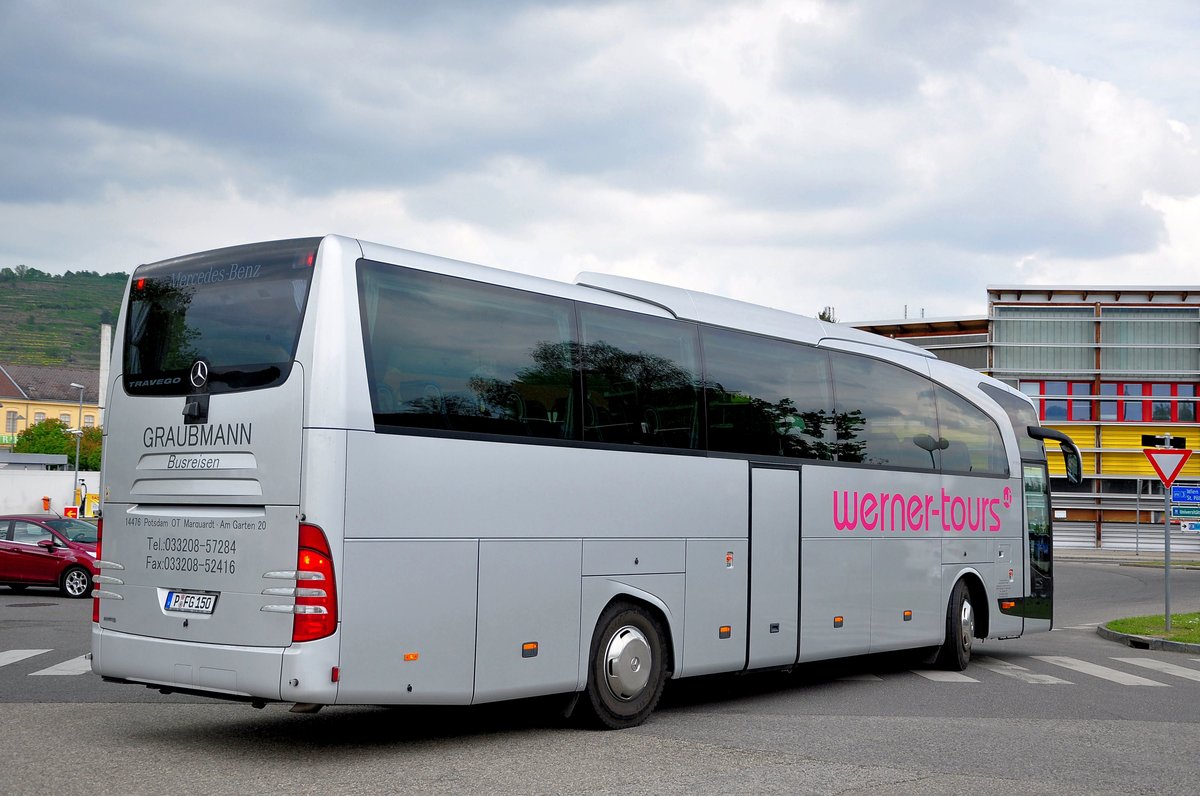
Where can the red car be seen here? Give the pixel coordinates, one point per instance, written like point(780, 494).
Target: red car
point(42, 550)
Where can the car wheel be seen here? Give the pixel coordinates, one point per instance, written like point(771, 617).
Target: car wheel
point(76, 582)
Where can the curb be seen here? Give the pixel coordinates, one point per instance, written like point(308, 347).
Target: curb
point(1146, 642)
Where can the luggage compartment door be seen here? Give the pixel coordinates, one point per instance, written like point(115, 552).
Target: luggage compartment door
point(774, 567)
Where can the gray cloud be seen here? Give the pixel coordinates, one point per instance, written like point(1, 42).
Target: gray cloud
point(880, 51)
point(829, 140)
point(316, 107)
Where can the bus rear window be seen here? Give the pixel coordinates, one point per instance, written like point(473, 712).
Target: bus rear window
point(237, 310)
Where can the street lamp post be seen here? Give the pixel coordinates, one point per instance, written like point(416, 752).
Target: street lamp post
point(78, 439)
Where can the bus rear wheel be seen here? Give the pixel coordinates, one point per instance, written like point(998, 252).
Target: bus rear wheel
point(628, 666)
point(955, 652)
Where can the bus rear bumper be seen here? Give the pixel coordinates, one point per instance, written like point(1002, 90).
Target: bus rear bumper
point(214, 669)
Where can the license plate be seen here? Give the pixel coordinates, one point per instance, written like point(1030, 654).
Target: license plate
point(190, 602)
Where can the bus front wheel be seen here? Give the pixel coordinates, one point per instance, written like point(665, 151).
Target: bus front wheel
point(955, 652)
point(628, 666)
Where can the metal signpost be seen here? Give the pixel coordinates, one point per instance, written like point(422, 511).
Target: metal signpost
point(1168, 463)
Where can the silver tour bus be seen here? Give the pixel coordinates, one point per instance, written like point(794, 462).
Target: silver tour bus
point(337, 472)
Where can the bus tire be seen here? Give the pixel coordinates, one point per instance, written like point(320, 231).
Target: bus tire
point(628, 666)
point(955, 652)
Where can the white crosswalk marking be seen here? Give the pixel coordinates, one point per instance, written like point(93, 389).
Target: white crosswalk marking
point(78, 665)
point(12, 656)
point(939, 676)
point(1164, 667)
point(1096, 670)
point(1018, 672)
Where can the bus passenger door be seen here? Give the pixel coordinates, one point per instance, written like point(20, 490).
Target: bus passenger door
point(774, 567)
point(1039, 602)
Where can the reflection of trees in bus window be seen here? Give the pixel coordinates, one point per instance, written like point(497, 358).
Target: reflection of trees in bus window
point(245, 329)
point(889, 413)
point(452, 354)
point(850, 445)
point(457, 355)
point(767, 397)
point(970, 440)
point(158, 338)
point(640, 379)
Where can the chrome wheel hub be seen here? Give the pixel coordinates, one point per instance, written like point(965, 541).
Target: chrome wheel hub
point(967, 624)
point(627, 663)
point(77, 583)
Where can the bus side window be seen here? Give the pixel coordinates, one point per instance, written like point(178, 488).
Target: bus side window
point(641, 379)
point(767, 397)
point(497, 360)
point(884, 409)
point(972, 439)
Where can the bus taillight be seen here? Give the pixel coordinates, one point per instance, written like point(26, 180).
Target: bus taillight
point(99, 545)
point(316, 592)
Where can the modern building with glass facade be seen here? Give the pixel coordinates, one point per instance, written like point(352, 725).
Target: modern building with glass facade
point(1107, 366)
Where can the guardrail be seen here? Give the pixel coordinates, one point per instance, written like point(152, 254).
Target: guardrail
point(1125, 536)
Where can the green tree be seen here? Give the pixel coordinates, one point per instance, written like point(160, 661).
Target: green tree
point(90, 448)
point(50, 436)
point(828, 314)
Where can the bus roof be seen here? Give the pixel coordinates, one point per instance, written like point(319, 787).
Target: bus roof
point(731, 313)
point(628, 293)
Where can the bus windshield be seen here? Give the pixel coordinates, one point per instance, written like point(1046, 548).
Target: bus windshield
point(238, 310)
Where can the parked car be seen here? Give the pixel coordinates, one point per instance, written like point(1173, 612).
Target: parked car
point(44, 550)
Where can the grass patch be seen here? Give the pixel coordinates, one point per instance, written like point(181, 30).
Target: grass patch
point(1184, 627)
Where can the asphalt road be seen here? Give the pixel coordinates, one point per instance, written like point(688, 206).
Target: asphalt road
point(1035, 716)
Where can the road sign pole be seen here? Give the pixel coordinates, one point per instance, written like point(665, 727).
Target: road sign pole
point(1167, 556)
point(1168, 462)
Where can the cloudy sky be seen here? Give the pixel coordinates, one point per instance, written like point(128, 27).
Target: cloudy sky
point(870, 155)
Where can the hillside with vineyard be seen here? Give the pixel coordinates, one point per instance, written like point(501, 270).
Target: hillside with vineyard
point(55, 320)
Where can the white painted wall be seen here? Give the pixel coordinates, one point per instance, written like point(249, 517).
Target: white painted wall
point(21, 491)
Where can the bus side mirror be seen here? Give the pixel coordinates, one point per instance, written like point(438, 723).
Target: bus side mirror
point(1074, 464)
point(1072, 459)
